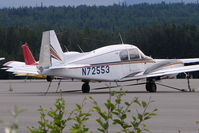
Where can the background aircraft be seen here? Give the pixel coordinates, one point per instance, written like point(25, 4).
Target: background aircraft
point(27, 68)
point(28, 58)
point(2, 58)
point(113, 63)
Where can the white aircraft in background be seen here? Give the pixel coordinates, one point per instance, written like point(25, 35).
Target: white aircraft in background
point(28, 58)
point(27, 68)
point(2, 58)
point(113, 63)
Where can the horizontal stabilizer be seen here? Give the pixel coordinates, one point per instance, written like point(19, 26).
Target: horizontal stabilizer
point(71, 66)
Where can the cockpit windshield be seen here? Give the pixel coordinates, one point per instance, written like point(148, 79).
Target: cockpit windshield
point(124, 55)
point(131, 54)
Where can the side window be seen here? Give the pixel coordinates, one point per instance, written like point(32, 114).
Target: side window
point(134, 54)
point(124, 55)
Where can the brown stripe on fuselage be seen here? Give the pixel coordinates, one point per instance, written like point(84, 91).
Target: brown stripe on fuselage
point(167, 65)
point(174, 63)
point(118, 63)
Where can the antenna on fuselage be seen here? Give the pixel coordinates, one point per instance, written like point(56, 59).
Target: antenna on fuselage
point(80, 48)
point(121, 38)
point(66, 48)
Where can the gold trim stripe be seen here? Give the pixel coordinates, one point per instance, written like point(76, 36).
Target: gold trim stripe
point(120, 63)
point(55, 54)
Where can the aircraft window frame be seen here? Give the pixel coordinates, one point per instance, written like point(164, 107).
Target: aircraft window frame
point(124, 55)
point(136, 54)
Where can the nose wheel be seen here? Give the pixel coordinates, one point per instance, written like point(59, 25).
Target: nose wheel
point(86, 87)
point(151, 86)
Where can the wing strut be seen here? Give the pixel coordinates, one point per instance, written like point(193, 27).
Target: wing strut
point(171, 87)
point(48, 88)
point(50, 85)
point(188, 83)
point(101, 88)
point(58, 85)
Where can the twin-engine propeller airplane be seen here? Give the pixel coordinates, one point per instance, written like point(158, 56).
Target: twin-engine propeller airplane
point(113, 63)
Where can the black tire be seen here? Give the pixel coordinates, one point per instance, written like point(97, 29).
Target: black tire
point(148, 87)
point(49, 78)
point(151, 87)
point(85, 88)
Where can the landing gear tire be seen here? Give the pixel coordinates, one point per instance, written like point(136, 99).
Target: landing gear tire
point(86, 88)
point(151, 87)
point(49, 78)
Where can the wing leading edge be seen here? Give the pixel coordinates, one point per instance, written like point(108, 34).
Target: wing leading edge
point(165, 72)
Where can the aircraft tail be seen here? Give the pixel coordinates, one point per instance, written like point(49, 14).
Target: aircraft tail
point(51, 53)
point(29, 59)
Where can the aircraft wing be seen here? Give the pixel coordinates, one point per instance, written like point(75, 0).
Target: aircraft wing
point(165, 72)
point(23, 70)
point(185, 61)
point(192, 60)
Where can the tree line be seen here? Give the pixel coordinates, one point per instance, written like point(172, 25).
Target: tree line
point(158, 41)
point(161, 39)
point(111, 18)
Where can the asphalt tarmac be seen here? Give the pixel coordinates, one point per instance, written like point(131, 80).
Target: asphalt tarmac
point(177, 111)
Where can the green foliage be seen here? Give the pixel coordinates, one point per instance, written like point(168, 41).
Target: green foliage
point(58, 122)
point(105, 116)
point(155, 40)
point(10, 88)
point(141, 116)
point(117, 111)
point(79, 117)
point(197, 123)
point(111, 18)
point(13, 127)
point(58, 119)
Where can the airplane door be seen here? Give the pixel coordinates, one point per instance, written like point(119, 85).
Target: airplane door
point(136, 64)
point(124, 65)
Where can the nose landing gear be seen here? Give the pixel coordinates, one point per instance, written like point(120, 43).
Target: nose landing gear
point(151, 86)
point(86, 87)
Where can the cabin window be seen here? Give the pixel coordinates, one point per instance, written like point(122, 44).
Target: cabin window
point(134, 54)
point(124, 55)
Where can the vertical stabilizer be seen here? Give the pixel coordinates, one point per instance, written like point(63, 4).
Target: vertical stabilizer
point(28, 58)
point(51, 53)
point(44, 57)
point(56, 52)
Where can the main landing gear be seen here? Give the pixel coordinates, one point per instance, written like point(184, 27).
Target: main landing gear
point(151, 86)
point(86, 87)
point(49, 78)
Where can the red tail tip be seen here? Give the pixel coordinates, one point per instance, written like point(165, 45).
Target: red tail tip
point(29, 59)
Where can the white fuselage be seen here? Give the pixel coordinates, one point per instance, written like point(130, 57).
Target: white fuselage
point(104, 64)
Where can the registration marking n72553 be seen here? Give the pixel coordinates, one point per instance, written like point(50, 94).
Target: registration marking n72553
point(95, 70)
